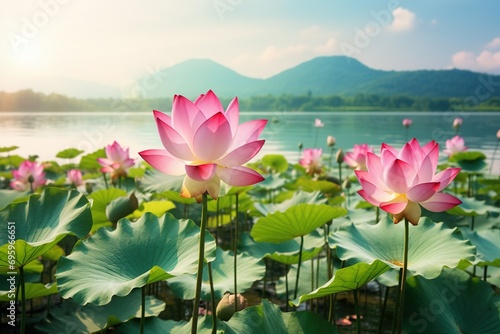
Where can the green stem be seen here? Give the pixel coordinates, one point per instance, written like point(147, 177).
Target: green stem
point(235, 259)
point(382, 314)
point(287, 267)
point(485, 274)
point(402, 279)
point(356, 307)
point(340, 176)
point(105, 180)
point(298, 267)
point(212, 293)
point(143, 308)
point(23, 299)
point(201, 260)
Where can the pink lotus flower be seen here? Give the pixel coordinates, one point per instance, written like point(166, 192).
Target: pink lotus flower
point(357, 158)
point(318, 123)
point(455, 145)
point(407, 122)
point(311, 160)
point(117, 161)
point(29, 176)
point(399, 182)
point(74, 177)
point(206, 144)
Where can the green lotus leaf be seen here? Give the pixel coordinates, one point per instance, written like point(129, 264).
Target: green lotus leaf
point(174, 196)
point(299, 197)
point(115, 262)
point(263, 318)
point(54, 253)
point(313, 273)
point(307, 184)
point(487, 244)
point(272, 181)
point(286, 252)
point(69, 153)
point(33, 290)
point(431, 245)
point(41, 222)
point(121, 207)
point(451, 303)
point(155, 181)
point(9, 196)
point(158, 208)
point(298, 220)
point(472, 207)
point(275, 162)
point(100, 200)
point(73, 318)
point(250, 269)
point(4, 149)
point(346, 279)
point(89, 161)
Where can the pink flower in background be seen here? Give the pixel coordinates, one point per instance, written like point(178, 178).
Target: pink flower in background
point(206, 144)
point(407, 122)
point(29, 176)
point(400, 181)
point(311, 160)
point(457, 122)
point(455, 145)
point(74, 177)
point(117, 161)
point(318, 123)
point(357, 158)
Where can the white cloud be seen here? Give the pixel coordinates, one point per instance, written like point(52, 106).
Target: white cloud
point(403, 20)
point(494, 44)
point(487, 61)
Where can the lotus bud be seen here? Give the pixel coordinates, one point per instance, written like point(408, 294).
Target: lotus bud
point(339, 156)
point(225, 308)
point(330, 141)
point(457, 122)
point(407, 122)
point(498, 134)
point(300, 146)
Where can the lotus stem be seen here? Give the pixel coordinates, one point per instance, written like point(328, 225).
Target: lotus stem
point(298, 267)
point(382, 313)
point(485, 273)
point(356, 307)
point(236, 223)
point(23, 300)
point(287, 267)
point(143, 308)
point(105, 180)
point(402, 281)
point(201, 260)
point(212, 294)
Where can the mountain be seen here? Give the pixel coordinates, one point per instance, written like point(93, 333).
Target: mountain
point(334, 75)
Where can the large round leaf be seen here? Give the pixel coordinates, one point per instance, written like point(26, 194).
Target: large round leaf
point(73, 318)
point(285, 252)
point(452, 303)
point(115, 262)
point(299, 197)
point(472, 207)
point(431, 245)
point(345, 279)
point(487, 243)
point(298, 220)
point(249, 270)
point(41, 222)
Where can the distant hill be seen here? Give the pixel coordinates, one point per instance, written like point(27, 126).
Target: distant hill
point(334, 75)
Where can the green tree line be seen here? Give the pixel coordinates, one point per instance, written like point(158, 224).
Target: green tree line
point(28, 100)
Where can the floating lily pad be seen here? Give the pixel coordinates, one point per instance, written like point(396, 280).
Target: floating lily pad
point(115, 262)
point(298, 220)
point(41, 222)
point(451, 303)
point(346, 279)
point(250, 269)
point(431, 245)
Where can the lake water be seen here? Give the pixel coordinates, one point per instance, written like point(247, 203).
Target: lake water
point(46, 133)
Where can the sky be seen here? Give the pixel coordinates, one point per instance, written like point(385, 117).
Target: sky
point(114, 42)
